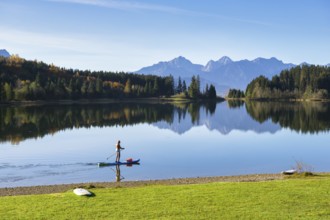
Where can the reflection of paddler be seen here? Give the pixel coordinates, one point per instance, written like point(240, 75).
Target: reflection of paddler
point(118, 176)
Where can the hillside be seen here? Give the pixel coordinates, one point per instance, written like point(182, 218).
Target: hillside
point(301, 82)
point(22, 80)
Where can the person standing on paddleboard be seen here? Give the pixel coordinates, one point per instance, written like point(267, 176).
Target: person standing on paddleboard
point(118, 149)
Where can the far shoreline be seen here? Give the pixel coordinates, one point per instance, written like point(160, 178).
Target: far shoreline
point(152, 100)
point(106, 101)
point(276, 100)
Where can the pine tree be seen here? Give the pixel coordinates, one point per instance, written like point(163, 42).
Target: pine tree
point(8, 91)
point(83, 89)
point(128, 88)
point(198, 85)
point(184, 86)
point(193, 89)
point(155, 90)
point(212, 92)
point(91, 88)
point(169, 86)
point(206, 92)
point(99, 86)
point(179, 88)
point(2, 93)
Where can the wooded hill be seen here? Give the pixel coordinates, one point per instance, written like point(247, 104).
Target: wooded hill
point(21, 79)
point(301, 82)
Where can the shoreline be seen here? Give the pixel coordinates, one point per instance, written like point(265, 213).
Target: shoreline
point(148, 100)
point(104, 101)
point(277, 99)
point(60, 188)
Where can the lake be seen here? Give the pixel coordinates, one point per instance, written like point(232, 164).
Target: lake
point(55, 144)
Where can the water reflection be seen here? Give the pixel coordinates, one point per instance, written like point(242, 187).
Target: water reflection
point(20, 123)
point(119, 177)
point(235, 103)
point(305, 117)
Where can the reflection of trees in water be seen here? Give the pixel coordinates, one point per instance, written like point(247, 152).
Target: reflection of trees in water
point(19, 123)
point(305, 117)
point(235, 103)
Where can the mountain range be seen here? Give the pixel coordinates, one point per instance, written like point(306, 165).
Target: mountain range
point(223, 73)
point(4, 53)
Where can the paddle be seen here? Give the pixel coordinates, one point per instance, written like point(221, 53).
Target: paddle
point(113, 154)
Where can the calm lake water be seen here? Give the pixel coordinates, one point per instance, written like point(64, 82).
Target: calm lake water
point(54, 144)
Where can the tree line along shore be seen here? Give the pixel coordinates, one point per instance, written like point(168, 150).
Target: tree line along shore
point(23, 80)
point(307, 82)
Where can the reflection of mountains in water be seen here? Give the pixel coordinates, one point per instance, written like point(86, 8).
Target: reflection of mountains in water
point(20, 123)
point(224, 120)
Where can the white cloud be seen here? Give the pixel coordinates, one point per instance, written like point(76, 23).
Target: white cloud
point(20, 37)
point(134, 5)
point(124, 5)
point(72, 51)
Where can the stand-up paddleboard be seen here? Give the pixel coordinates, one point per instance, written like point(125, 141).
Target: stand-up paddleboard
point(103, 164)
point(82, 192)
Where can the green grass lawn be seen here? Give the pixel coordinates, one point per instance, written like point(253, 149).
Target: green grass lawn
point(305, 198)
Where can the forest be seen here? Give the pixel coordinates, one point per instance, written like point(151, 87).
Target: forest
point(300, 82)
point(22, 80)
point(34, 80)
point(235, 93)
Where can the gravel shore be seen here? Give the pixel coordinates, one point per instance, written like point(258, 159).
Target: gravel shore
point(65, 187)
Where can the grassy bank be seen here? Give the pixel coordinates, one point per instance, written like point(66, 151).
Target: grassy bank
point(306, 198)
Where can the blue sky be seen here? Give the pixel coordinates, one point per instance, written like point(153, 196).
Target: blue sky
point(126, 35)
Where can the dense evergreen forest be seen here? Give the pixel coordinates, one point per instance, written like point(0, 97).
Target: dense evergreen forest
point(235, 93)
point(301, 82)
point(34, 80)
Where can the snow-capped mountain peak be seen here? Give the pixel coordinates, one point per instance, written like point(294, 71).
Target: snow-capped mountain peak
point(180, 61)
point(225, 60)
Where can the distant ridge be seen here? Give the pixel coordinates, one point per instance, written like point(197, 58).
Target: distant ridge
point(223, 73)
point(179, 66)
point(4, 53)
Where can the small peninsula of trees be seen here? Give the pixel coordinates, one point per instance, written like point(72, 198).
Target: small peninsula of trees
point(301, 82)
point(194, 90)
